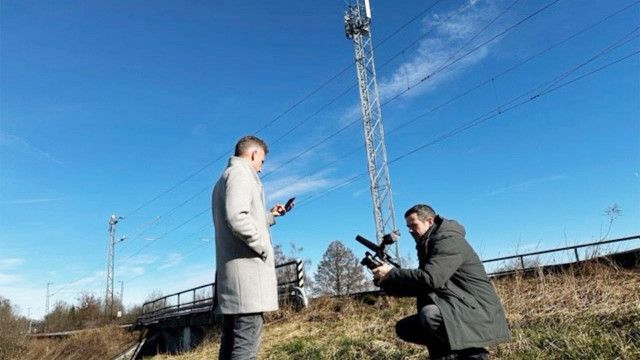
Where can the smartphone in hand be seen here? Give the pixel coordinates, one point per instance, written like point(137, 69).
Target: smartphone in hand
point(289, 205)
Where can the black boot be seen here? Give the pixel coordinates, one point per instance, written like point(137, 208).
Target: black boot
point(474, 354)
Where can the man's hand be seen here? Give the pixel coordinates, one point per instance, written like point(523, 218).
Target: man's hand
point(380, 272)
point(278, 210)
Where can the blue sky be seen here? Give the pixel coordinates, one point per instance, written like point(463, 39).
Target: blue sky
point(104, 106)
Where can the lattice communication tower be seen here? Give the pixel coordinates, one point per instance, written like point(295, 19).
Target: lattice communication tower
point(357, 24)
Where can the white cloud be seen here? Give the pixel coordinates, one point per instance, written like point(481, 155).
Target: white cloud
point(26, 299)
point(10, 263)
point(138, 290)
point(173, 259)
point(9, 278)
point(450, 31)
point(526, 184)
point(126, 271)
point(296, 185)
point(19, 144)
point(96, 276)
point(143, 259)
point(28, 201)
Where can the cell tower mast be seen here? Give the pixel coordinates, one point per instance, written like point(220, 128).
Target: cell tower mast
point(108, 297)
point(357, 24)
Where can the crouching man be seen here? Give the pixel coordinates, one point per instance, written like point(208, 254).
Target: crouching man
point(458, 310)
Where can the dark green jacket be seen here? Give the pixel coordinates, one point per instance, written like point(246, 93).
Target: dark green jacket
point(451, 276)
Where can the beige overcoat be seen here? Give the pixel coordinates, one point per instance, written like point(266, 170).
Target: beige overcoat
point(246, 277)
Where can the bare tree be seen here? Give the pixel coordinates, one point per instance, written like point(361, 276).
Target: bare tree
point(339, 272)
point(289, 273)
point(89, 310)
point(12, 339)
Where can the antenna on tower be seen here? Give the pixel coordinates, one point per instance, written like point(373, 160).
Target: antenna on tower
point(357, 25)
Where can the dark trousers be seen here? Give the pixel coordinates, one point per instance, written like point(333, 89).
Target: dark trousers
point(427, 328)
point(240, 336)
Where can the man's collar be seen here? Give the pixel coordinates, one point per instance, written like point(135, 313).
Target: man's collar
point(437, 221)
point(237, 160)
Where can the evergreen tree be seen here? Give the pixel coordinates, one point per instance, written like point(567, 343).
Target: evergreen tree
point(339, 272)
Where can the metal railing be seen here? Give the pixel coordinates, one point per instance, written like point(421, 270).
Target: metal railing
point(199, 299)
point(574, 248)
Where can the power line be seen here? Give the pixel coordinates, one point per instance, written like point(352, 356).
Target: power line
point(168, 232)
point(493, 38)
point(477, 121)
point(346, 91)
point(277, 117)
point(555, 85)
point(481, 84)
point(428, 76)
point(188, 253)
point(389, 61)
point(173, 210)
point(444, 66)
point(200, 230)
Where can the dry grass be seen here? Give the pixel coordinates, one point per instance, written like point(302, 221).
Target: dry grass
point(103, 343)
point(593, 313)
point(590, 314)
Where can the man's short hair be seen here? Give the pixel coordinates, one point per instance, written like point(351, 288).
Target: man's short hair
point(249, 141)
point(423, 211)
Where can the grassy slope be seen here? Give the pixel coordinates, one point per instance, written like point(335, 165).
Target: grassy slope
point(593, 315)
point(98, 344)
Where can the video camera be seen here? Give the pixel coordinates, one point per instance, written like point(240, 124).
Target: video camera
point(379, 255)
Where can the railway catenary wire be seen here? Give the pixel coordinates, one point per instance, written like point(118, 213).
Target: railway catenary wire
point(473, 123)
point(499, 110)
point(300, 123)
point(409, 88)
point(443, 67)
point(280, 115)
point(319, 110)
point(479, 85)
point(206, 210)
point(62, 289)
point(538, 91)
point(198, 232)
point(493, 38)
point(466, 92)
point(378, 68)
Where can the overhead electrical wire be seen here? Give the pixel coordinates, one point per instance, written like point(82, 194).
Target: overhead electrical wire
point(476, 121)
point(346, 91)
point(277, 117)
point(488, 80)
point(444, 66)
point(506, 108)
point(428, 76)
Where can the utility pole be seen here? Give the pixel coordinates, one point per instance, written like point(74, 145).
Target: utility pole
point(357, 24)
point(108, 298)
point(46, 308)
point(29, 318)
point(122, 293)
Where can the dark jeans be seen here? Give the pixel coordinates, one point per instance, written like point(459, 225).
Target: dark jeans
point(427, 328)
point(240, 336)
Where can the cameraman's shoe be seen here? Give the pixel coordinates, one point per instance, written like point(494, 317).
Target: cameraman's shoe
point(474, 354)
point(466, 354)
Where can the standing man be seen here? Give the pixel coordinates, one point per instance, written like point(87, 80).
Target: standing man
point(458, 310)
point(246, 284)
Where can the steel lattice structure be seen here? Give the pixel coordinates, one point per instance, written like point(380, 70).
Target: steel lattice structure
point(108, 297)
point(357, 23)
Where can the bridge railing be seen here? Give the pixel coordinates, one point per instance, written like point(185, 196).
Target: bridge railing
point(290, 288)
point(520, 258)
